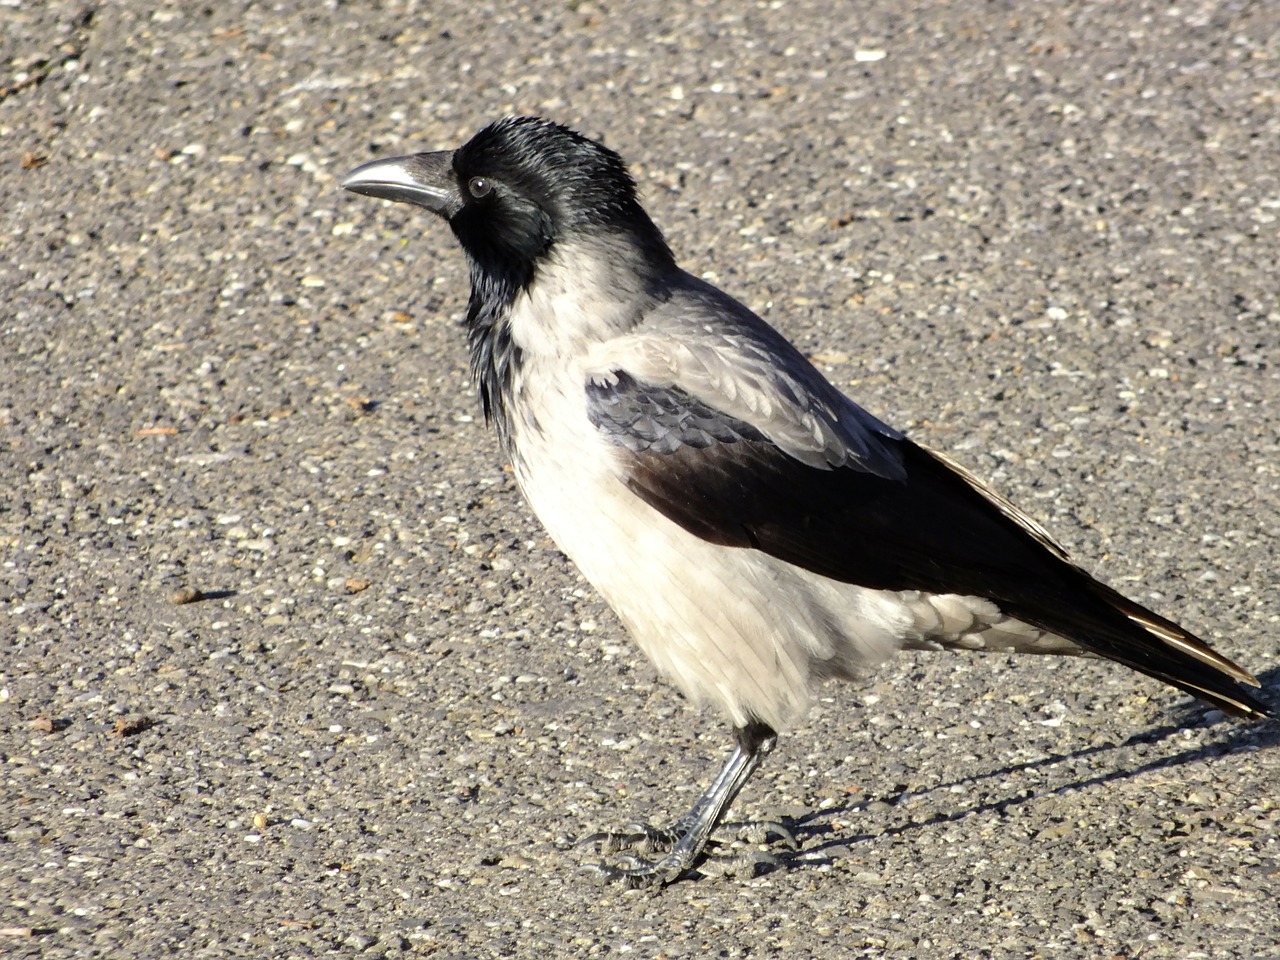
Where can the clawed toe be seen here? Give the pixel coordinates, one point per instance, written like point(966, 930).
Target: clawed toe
point(637, 836)
point(636, 872)
point(752, 863)
point(764, 831)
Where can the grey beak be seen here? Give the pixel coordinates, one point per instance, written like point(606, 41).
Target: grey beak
point(425, 179)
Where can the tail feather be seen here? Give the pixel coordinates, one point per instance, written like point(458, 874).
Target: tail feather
point(1059, 597)
point(1125, 631)
point(1063, 599)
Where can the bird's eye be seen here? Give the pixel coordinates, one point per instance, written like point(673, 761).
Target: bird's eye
point(480, 187)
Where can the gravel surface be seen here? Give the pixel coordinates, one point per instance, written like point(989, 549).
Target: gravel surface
point(287, 669)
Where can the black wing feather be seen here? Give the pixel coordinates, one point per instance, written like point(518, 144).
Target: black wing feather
point(722, 479)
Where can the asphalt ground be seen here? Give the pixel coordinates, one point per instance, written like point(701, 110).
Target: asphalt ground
point(1041, 237)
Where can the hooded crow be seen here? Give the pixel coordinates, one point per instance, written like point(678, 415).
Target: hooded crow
point(755, 530)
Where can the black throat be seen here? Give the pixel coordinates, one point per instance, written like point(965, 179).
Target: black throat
point(495, 359)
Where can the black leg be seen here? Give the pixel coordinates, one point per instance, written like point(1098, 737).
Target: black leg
point(690, 833)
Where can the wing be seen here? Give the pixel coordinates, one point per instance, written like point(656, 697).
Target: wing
point(880, 512)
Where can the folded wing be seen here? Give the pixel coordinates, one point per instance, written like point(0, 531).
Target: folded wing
point(806, 476)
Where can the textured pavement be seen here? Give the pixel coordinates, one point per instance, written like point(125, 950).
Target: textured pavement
point(1043, 238)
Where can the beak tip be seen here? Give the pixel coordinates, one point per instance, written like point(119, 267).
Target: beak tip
point(375, 171)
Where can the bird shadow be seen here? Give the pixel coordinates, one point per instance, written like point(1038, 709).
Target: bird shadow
point(216, 594)
point(1235, 736)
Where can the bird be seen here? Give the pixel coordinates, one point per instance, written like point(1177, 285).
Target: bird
point(755, 530)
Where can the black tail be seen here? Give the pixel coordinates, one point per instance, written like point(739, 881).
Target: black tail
point(1125, 631)
point(1054, 594)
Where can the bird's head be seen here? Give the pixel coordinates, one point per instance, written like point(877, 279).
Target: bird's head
point(518, 189)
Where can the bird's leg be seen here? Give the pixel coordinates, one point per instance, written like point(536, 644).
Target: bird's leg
point(688, 836)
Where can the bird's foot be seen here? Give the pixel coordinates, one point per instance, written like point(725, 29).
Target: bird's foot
point(721, 855)
point(632, 869)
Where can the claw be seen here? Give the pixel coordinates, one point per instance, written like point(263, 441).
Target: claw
point(637, 872)
point(764, 831)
